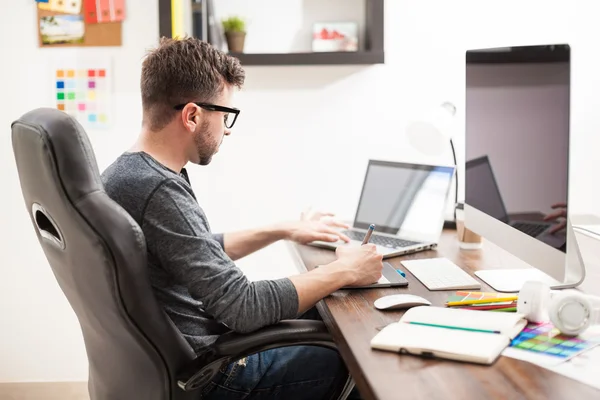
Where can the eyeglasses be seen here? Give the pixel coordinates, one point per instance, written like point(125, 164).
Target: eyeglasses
point(230, 116)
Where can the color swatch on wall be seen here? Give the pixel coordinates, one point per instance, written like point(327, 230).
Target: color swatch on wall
point(544, 338)
point(84, 93)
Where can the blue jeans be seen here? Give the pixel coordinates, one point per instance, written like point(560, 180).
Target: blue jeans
point(288, 373)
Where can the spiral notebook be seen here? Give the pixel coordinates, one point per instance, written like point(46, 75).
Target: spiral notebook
point(456, 334)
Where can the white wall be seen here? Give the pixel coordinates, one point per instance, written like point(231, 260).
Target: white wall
point(304, 137)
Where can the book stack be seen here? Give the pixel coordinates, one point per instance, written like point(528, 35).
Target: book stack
point(483, 301)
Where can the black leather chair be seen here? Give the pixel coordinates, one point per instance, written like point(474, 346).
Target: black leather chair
point(97, 253)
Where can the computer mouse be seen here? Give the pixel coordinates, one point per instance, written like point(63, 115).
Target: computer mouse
point(398, 301)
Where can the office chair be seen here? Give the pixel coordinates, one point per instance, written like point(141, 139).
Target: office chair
point(97, 253)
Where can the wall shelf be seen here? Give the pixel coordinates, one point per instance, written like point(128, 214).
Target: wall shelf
point(372, 53)
point(336, 58)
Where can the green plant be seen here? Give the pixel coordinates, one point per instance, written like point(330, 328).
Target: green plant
point(234, 24)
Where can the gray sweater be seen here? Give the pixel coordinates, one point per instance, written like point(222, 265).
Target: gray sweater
point(198, 285)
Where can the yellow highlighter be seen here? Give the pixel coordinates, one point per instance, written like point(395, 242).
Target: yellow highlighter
point(482, 301)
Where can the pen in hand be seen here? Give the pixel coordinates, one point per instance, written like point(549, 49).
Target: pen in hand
point(369, 233)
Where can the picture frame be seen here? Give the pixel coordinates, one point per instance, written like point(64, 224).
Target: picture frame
point(335, 37)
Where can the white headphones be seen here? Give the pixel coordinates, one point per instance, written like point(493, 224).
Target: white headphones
point(570, 311)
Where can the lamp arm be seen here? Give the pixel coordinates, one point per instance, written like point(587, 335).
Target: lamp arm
point(456, 177)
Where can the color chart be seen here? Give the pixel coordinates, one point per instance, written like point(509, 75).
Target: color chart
point(84, 93)
point(544, 338)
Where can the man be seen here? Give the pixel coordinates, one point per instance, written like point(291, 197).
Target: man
point(187, 88)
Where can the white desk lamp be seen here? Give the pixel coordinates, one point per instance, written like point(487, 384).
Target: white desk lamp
point(431, 136)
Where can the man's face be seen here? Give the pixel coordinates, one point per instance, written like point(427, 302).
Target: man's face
point(211, 129)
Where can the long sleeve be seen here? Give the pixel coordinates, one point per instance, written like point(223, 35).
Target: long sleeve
point(178, 235)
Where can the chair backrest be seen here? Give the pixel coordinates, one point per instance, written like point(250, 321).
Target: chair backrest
point(98, 255)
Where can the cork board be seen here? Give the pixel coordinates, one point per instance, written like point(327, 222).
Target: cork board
point(98, 34)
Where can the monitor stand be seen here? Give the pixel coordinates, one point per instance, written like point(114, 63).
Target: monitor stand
point(512, 280)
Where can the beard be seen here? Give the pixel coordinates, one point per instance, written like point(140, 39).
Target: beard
point(206, 146)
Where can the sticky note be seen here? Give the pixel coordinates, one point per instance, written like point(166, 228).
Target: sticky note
point(117, 10)
point(103, 10)
point(90, 14)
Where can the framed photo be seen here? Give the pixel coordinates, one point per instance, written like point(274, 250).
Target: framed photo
point(335, 36)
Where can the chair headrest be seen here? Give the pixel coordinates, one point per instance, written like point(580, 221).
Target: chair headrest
point(63, 140)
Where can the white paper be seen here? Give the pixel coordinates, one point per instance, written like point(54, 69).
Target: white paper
point(584, 368)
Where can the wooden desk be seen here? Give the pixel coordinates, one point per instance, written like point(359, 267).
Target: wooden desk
point(353, 321)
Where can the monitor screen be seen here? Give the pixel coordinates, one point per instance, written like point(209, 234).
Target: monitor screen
point(517, 137)
point(407, 197)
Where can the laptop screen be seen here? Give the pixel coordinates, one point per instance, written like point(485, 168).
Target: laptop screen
point(404, 197)
point(487, 197)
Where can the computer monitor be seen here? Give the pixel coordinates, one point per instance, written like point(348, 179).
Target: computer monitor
point(517, 118)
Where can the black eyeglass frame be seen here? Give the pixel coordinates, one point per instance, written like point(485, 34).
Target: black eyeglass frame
point(214, 107)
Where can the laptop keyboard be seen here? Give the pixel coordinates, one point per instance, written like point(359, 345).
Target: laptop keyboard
point(379, 240)
point(530, 229)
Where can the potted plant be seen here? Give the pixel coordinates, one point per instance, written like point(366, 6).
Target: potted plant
point(235, 33)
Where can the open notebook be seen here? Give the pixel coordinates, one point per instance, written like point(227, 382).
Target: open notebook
point(463, 335)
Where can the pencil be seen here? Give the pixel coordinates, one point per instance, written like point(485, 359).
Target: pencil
point(481, 301)
point(369, 233)
point(453, 327)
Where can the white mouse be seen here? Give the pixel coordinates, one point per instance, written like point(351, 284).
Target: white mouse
point(397, 301)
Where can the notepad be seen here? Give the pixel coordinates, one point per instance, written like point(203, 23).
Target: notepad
point(457, 334)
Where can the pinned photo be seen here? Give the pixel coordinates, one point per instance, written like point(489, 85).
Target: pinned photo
point(62, 29)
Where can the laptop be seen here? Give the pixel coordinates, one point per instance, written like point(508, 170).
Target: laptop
point(488, 199)
point(407, 204)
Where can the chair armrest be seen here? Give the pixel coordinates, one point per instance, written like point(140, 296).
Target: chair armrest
point(234, 346)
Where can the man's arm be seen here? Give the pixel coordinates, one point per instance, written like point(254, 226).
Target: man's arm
point(243, 243)
point(177, 233)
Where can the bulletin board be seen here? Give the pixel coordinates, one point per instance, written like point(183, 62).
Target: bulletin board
point(80, 25)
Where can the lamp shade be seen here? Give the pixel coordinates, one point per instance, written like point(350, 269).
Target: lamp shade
point(431, 134)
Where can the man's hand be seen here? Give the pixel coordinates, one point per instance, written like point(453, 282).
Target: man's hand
point(363, 262)
point(561, 213)
point(354, 266)
point(308, 231)
point(316, 225)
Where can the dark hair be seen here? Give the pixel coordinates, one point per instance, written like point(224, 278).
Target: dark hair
point(181, 71)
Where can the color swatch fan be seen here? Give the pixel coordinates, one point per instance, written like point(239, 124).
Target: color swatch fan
point(544, 338)
point(84, 93)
